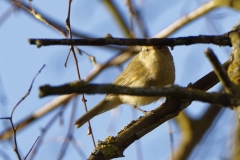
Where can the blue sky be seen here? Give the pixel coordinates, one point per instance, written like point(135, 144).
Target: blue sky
point(19, 62)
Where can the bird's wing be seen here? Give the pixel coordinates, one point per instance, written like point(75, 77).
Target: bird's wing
point(131, 73)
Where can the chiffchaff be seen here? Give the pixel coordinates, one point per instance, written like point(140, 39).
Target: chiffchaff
point(153, 66)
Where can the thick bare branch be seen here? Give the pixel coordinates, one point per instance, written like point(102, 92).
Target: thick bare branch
point(222, 40)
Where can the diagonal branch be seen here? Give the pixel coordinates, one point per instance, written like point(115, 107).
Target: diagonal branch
point(114, 147)
point(220, 72)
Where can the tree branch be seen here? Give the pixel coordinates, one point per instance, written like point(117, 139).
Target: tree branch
point(222, 40)
point(172, 91)
point(220, 72)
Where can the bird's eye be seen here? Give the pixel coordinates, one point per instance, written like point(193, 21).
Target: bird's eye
point(147, 50)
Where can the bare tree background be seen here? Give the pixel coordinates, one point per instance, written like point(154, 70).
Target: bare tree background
point(202, 131)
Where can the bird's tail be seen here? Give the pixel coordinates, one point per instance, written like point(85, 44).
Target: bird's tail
point(101, 107)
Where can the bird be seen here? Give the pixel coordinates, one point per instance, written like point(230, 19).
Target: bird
point(152, 67)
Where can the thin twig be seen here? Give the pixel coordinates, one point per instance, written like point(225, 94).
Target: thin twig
point(31, 148)
point(68, 26)
point(11, 116)
point(65, 64)
point(52, 23)
point(38, 16)
point(15, 139)
point(28, 92)
point(31, 6)
point(70, 129)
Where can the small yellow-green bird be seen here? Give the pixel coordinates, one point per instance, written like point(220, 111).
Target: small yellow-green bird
point(153, 66)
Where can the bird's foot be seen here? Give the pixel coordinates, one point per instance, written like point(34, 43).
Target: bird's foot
point(145, 112)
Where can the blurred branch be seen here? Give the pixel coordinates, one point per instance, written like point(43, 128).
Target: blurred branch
point(135, 13)
point(118, 16)
point(194, 130)
point(200, 11)
point(7, 13)
point(193, 135)
point(187, 136)
point(131, 14)
point(236, 143)
point(4, 155)
point(67, 139)
point(77, 148)
point(222, 40)
point(142, 26)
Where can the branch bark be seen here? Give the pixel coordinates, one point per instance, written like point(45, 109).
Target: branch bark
point(222, 40)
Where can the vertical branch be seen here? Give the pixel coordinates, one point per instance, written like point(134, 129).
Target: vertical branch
point(68, 26)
